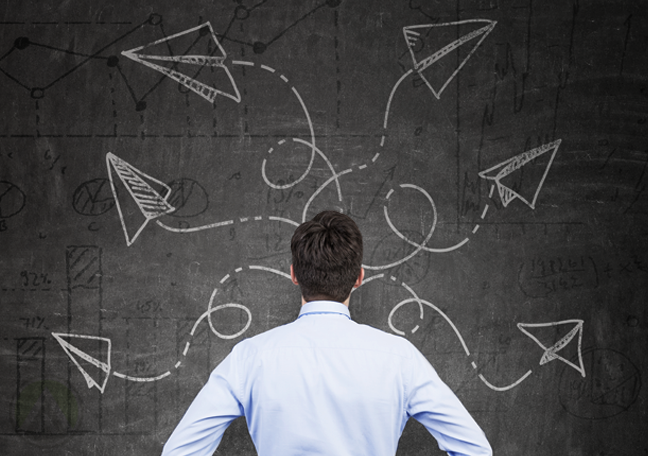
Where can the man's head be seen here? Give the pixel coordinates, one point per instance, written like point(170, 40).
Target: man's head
point(327, 257)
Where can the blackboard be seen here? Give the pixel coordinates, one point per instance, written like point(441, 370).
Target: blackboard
point(155, 158)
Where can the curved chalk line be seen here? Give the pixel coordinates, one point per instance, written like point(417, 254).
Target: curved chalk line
point(194, 229)
point(422, 302)
point(429, 304)
point(507, 387)
point(142, 379)
point(427, 238)
point(373, 160)
point(328, 163)
point(308, 119)
point(291, 184)
point(322, 187)
point(310, 144)
point(210, 310)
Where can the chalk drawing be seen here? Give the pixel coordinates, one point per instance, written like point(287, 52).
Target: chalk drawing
point(507, 387)
point(77, 356)
point(209, 93)
point(150, 202)
point(414, 37)
point(126, 171)
point(399, 234)
point(151, 196)
point(510, 166)
point(83, 360)
point(12, 199)
point(432, 306)
point(551, 352)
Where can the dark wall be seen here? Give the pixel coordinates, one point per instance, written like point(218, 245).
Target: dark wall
point(493, 152)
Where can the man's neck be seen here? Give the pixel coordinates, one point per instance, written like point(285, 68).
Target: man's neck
point(346, 301)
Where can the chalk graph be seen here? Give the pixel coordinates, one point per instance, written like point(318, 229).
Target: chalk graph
point(151, 195)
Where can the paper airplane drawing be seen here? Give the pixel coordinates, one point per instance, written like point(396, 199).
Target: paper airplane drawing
point(197, 62)
point(417, 37)
point(85, 362)
point(551, 352)
point(151, 202)
point(499, 172)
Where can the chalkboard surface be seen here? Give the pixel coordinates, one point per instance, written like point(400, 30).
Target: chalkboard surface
point(156, 156)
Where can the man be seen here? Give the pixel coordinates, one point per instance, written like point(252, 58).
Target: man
point(323, 384)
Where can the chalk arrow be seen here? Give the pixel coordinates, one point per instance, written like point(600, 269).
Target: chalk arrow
point(151, 202)
point(417, 38)
point(85, 362)
point(199, 62)
point(551, 349)
point(514, 166)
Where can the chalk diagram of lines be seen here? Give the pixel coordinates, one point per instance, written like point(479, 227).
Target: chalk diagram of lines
point(152, 197)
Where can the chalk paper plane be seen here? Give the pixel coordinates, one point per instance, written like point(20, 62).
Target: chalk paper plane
point(152, 203)
point(532, 185)
point(416, 37)
point(85, 362)
point(551, 351)
point(197, 62)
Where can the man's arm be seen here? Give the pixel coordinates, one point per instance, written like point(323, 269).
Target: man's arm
point(214, 408)
point(433, 404)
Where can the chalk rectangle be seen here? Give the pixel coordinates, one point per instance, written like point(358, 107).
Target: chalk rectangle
point(83, 267)
point(84, 290)
point(30, 388)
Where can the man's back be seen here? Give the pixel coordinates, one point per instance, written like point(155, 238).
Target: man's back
point(324, 385)
point(334, 386)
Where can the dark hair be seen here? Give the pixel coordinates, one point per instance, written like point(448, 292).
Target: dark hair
point(327, 256)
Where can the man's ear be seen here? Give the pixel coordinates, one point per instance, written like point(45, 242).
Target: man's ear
point(360, 278)
point(292, 276)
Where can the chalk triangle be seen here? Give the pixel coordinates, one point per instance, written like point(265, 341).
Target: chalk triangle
point(426, 38)
point(528, 185)
point(552, 338)
point(151, 202)
point(95, 371)
point(194, 64)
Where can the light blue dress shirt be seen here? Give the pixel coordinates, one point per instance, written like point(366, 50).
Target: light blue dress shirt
point(325, 385)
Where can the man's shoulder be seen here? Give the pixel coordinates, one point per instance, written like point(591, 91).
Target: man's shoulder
point(265, 339)
point(384, 340)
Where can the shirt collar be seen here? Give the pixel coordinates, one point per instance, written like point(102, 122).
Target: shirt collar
point(324, 307)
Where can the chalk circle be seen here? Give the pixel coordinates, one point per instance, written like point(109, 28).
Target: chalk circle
point(211, 310)
point(12, 199)
point(154, 19)
point(611, 385)
point(93, 197)
point(284, 143)
point(434, 221)
point(188, 197)
point(241, 13)
point(37, 93)
point(398, 306)
point(418, 246)
point(21, 42)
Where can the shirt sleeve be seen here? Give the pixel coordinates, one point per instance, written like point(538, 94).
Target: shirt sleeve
point(433, 404)
point(211, 412)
